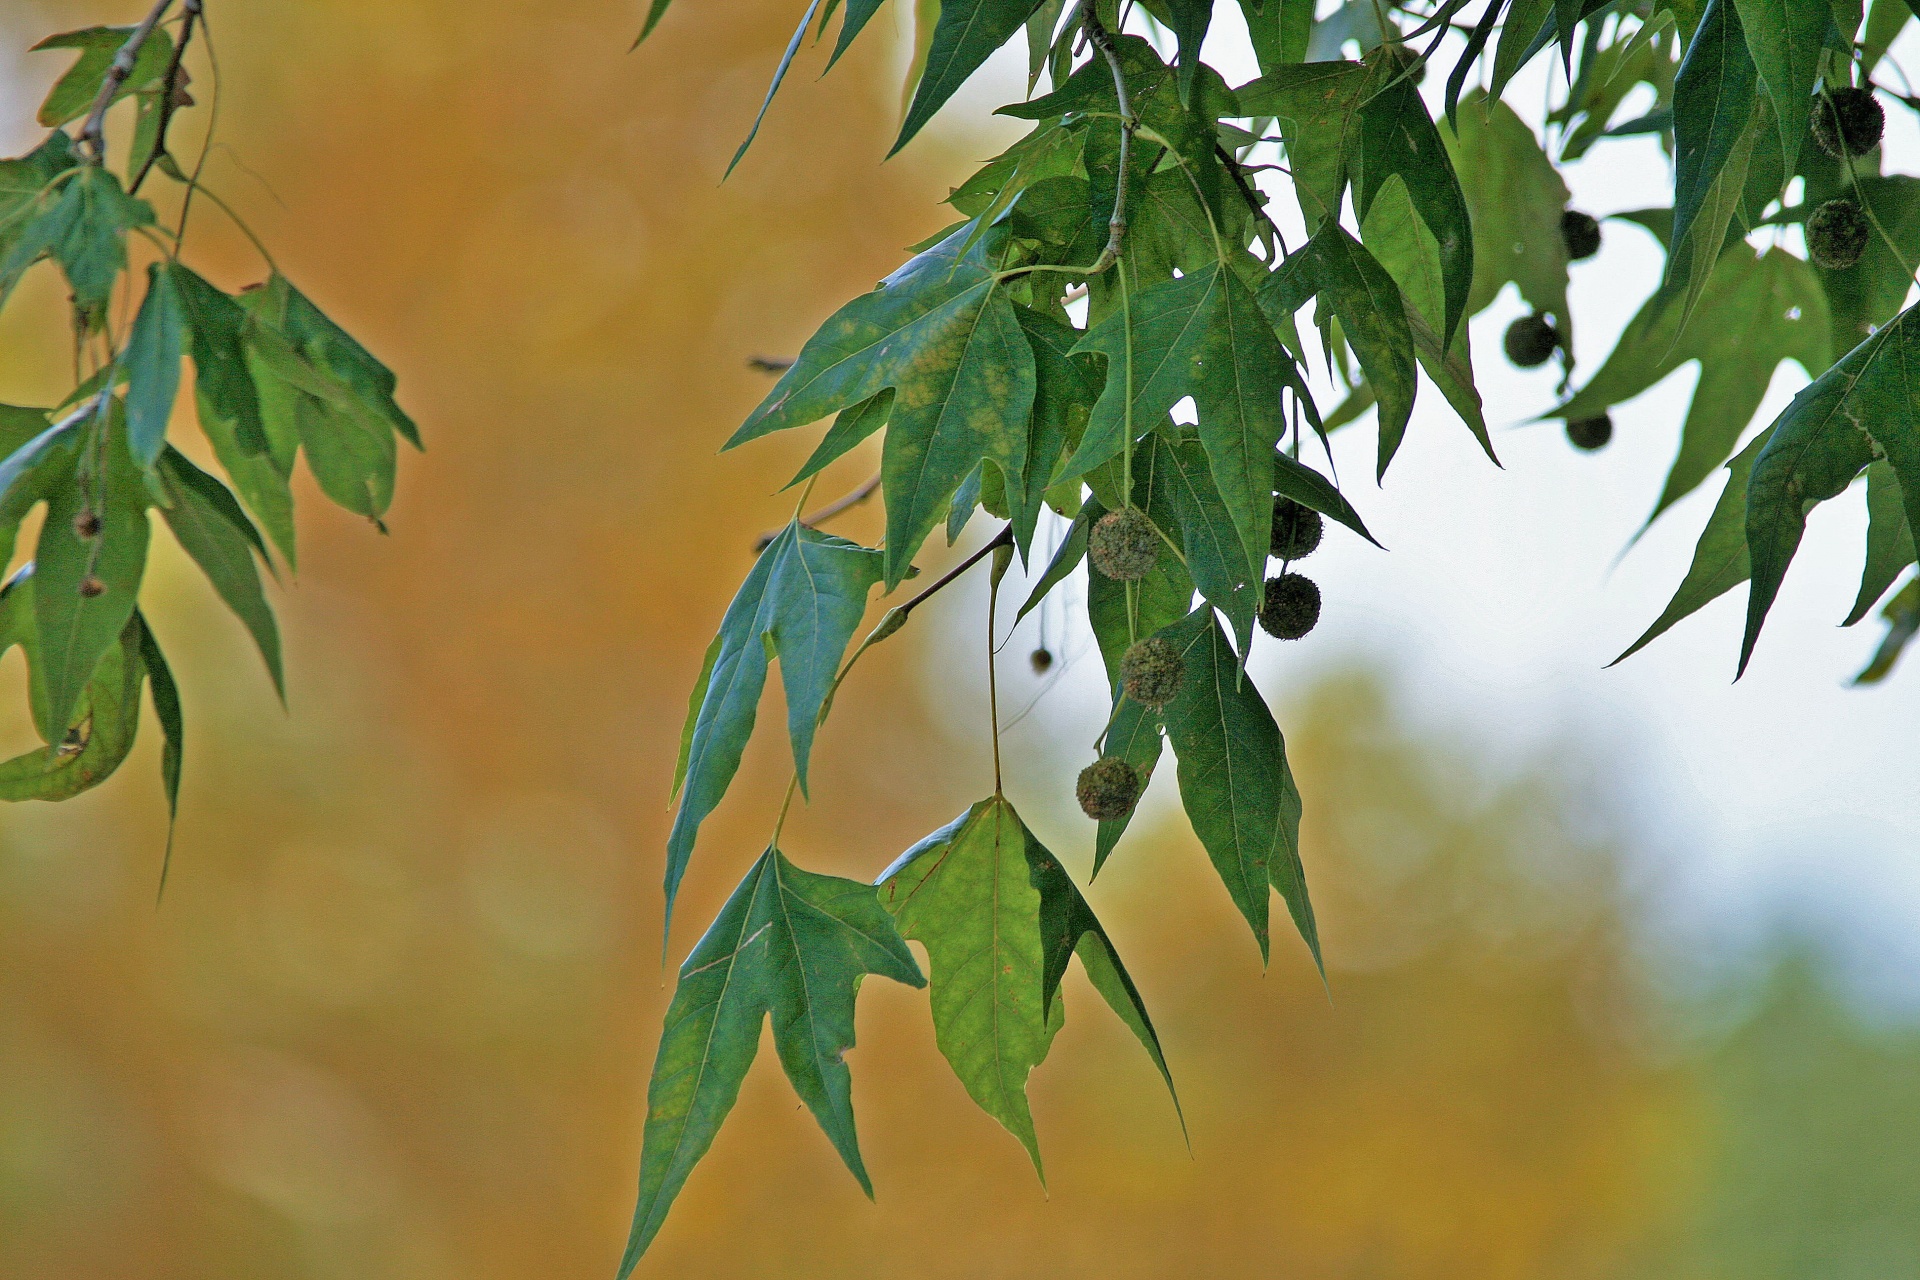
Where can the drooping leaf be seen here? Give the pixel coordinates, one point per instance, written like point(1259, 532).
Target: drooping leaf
point(1134, 736)
point(32, 458)
point(968, 33)
point(1515, 198)
point(1785, 38)
point(1754, 312)
point(1234, 779)
point(152, 358)
point(24, 181)
point(215, 532)
point(1871, 292)
point(945, 339)
point(85, 229)
point(1065, 388)
point(1720, 560)
point(1119, 616)
point(1890, 546)
point(73, 93)
point(1902, 616)
point(1278, 30)
point(166, 708)
point(85, 588)
point(1294, 479)
point(1190, 21)
point(779, 74)
point(791, 944)
point(1860, 409)
point(96, 739)
point(1072, 550)
point(998, 917)
point(1215, 557)
point(1318, 107)
point(801, 603)
point(1715, 113)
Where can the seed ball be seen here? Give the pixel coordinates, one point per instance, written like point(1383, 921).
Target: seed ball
point(1837, 234)
point(1108, 789)
point(1531, 340)
point(1150, 672)
point(1589, 434)
point(92, 588)
point(1042, 660)
point(1291, 607)
point(1848, 122)
point(1124, 545)
point(1296, 530)
point(86, 526)
point(1581, 232)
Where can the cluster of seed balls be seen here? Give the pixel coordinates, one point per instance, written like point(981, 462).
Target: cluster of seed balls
point(1125, 546)
point(1847, 122)
point(1532, 339)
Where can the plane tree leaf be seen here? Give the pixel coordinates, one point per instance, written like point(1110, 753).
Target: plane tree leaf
point(1890, 547)
point(1515, 198)
point(801, 602)
point(789, 944)
point(1785, 38)
point(967, 34)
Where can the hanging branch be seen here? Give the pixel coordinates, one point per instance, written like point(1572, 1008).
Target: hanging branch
point(93, 133)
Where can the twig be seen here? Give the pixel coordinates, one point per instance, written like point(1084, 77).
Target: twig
point(768, 364)
point(1247, 193)
point(169, 92)
point(93, 133)
point(1117, 224)
point(814, 519)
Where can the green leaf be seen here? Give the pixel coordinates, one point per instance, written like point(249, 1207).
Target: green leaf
point(353, 377)
point(105, 720)
point(26, 180)
point(75, 629)
point(1871, 292)
point(1190, 21)
point(1397, 137)
point(152, 358)
point(790, 944)
point(945, 339)
point(1204, 336)
point(1886, 19)
point(1902, 616)
point(1073, 549)
point(1515, 198)
point(1860, 409)
point(73, 93)
point(1785, 38)
point(1279, 30)
point(779, 74)
point(1215, 557)
point(166, 706)
point(801, 603)
point(1162, 597)
point(968, 33)
point(211, 528)
point(998, 917)
point(1065, 387)
point(850, 428)
point(1357, 290)
point(1754, 312)
point(1134, 736)
point(1296, 480)
point(1890, 547)
point(1318, 107)
point(1234, 779)
point(1714, 117)
point(85, 230)
point(1526, 20)
point(30, 467)
point(1720, 560)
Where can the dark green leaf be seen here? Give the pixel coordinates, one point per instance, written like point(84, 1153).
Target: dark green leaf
point(1890, 547)
point(790, 944)
point(1318, 106)
point(1190, 21)
point(1714, 105)
point(941, 334)
point(1134, 736)
point(1073, 549)
point(1785, 38)
point(801, 602)
point(152, 358)
point(1216, 559)
point(968, 33)
point(779, 74)
point(166, 705)
point(30, 466)
point(1065, 388)
point(212, 528)
point(1902, 616)
point(73, 93)
point(1296, 480)
point(1871, 292)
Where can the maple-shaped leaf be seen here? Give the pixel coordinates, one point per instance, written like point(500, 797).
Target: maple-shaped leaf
point(801, 601)
point(1202, 335)
point(1235, 782)
point(1515, 197)
point(1857, 411)
point(999, 917)
point(1755, 311)
point(788, 943)
point(942, 335)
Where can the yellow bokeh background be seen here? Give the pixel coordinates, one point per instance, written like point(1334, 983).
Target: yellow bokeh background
point(394, 1017)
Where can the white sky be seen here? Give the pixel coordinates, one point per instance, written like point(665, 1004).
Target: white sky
point(1499, 604)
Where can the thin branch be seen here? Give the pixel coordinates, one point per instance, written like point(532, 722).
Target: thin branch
point(169, 92)
point(814, 519)
point(1117, 224)
point(93, 133)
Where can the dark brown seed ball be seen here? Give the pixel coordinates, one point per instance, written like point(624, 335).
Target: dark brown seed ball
point(86, 526)
point(1848, 122)
point(1581, 232)
point(1291, 607)
point(1297, 530)
point(1150, 672)
point(1108, 789)
point(1590, 433)
point(1042, 660)
point(91, 587)
point(1124, 545)
point(1531, 340)
point(1837, 234)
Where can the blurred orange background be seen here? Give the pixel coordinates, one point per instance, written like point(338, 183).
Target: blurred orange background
point(395, 1015)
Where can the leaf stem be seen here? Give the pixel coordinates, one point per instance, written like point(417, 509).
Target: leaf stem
point(993, 679)
point(813, 519)
point(169, 90)
point(93, 132)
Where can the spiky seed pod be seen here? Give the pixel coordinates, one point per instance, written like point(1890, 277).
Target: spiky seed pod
point(1590, 433)
point(1042, 660)
point(1108, 789)
point(1291, 607)
point(1124, 545)
point(1581, 232)
point(1531, 340)
point(1296, 530)
point(92, 588)
point(1150, 672)
point(1848, 122)
point(86, 526)
point(1837, 234)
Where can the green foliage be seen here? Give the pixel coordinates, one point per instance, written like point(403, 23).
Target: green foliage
point(273, 377)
